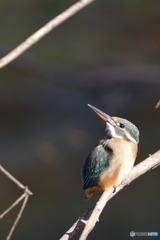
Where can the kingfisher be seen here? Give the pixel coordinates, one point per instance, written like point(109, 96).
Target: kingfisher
point(113, 157)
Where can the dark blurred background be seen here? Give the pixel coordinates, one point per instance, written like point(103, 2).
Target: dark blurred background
point(107, 55)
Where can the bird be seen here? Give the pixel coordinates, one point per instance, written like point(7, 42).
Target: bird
point(113, 157)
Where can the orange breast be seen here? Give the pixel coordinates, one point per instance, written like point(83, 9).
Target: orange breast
point(121, 163)
point(110, 177)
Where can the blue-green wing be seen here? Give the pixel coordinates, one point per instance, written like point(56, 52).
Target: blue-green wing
point(94, 164)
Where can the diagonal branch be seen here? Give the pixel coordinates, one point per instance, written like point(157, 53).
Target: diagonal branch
point(18, 217)
point(13, 205)
point(13, 179)
point(35, 37)
point(91, 216)
point(158, 104)
point(27, 193)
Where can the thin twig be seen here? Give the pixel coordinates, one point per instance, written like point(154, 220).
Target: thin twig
point(78, 224)
point(18, 217)
point(13, 205)
point(19, 184)
point(24, 196)
point(157, 104)
point(43, 31)
point(137, 171)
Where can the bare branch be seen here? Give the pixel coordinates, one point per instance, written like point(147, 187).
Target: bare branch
point(13, 205)
point(24, 196)
point(13, 179)
point(91, 216)
point(18, 217)
point(158, 104)
point(43, 31)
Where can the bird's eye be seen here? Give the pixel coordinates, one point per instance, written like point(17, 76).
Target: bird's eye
point(121, 125)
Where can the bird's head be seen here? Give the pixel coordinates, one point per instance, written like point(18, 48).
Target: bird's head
point(119, 127)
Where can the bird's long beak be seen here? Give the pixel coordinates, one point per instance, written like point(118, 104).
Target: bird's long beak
point(103, 115)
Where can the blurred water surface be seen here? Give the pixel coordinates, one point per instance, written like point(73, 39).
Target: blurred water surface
point(107, 55)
